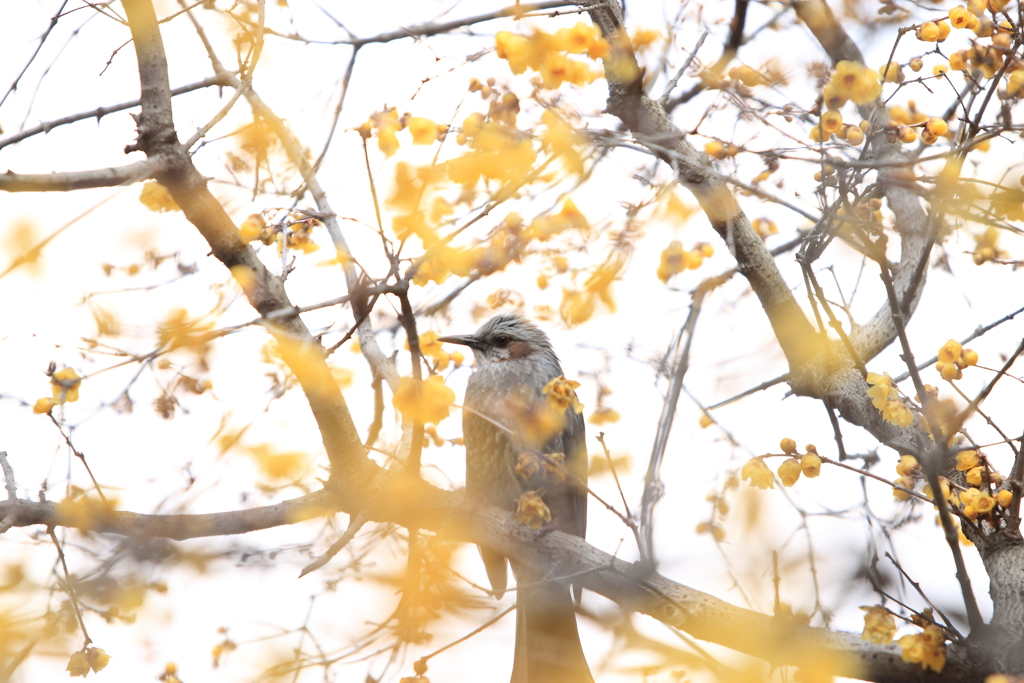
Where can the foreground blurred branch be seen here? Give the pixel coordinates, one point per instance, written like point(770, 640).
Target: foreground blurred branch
point(393, 497)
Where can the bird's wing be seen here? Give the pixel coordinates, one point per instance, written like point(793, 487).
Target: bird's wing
point(574, 445)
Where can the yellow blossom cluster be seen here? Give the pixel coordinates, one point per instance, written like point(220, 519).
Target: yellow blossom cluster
point(675, 259)
point(532, 511)
point(851, 81)
point(809, 464)
point(155, 197)
point(758, 473)
point(64, 386)
point(560, 138)
point(299, 236)
point(720, 150)
point(423, 401)
point(547, 53)
point(908, 470)
point(255, 228)
point(983, 496)
point(504, 245)
point(790, 470)
point(560, 394)
point(886, 400)
point(578, 305)
point(90, 659)
point(927, 648)
point(953, 358)
point(831, 125)
point(986, 246)
point(544, 228)
point(432, 348)
point(879, 626)
point(498, 150)
point(745, 75)
point(932, 31)
point(388, 123)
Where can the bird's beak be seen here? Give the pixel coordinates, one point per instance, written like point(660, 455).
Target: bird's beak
point(464, 339)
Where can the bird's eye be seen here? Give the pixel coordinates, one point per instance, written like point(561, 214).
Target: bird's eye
point(502, 340)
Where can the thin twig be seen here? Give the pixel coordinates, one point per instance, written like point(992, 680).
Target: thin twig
point(67, 585)
point(354, 525)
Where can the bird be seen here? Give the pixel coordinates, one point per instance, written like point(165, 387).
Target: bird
point(518, 447)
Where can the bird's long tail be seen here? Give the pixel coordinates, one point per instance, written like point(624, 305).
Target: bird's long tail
point(548, 646)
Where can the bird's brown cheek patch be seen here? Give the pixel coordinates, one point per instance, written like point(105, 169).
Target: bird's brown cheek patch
point(518, 349)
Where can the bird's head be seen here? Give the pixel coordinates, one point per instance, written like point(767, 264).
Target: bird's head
point(505, 337)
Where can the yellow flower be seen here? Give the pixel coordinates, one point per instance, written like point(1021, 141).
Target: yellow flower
point(605, 415)
point(600, 283)
point(788, 446)
point(43, 406)
point(974, 476)
point(950, 351)
point(960, 17)
point(897, 413)
point(758, 473)
point(64, 385)
point(429, 346)
point(98, 659)
point(810, 463)
point(927, 648)
point(387, 124)
point(155, 197)
point(517, 50)
point(789, 471)
point(576, 307)
point(831, 122)
point(882, 391)
point(643, 37)
point(252, 227)
point(560, 393)
point(985, 503)
point(78, 665)
point(532, 511)
point(906, 483)
point(424, 131)
point(430, 270)
point(908, 466)
point(879, 626)
point(425, 401)
point(966, 460)
point(928, 32)
point(673, 261)
point(856, 82)
point(1004, 498)
point(578, 39)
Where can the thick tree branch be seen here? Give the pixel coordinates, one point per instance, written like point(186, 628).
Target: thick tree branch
point(264, 291)
point(392, 497)
point(912, 223)
point(650, 124)
point(79, 180)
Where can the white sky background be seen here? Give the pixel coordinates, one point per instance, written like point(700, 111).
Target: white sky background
point(149, 459)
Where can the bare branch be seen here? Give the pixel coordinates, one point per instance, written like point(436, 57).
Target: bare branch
point(79, 180)
point(100, 112)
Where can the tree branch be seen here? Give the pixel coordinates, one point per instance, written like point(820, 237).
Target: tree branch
point(392, 497)
point(100, 112)
point(79, 180)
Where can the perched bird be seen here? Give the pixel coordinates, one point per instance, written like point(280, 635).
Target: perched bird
point(523, 447)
